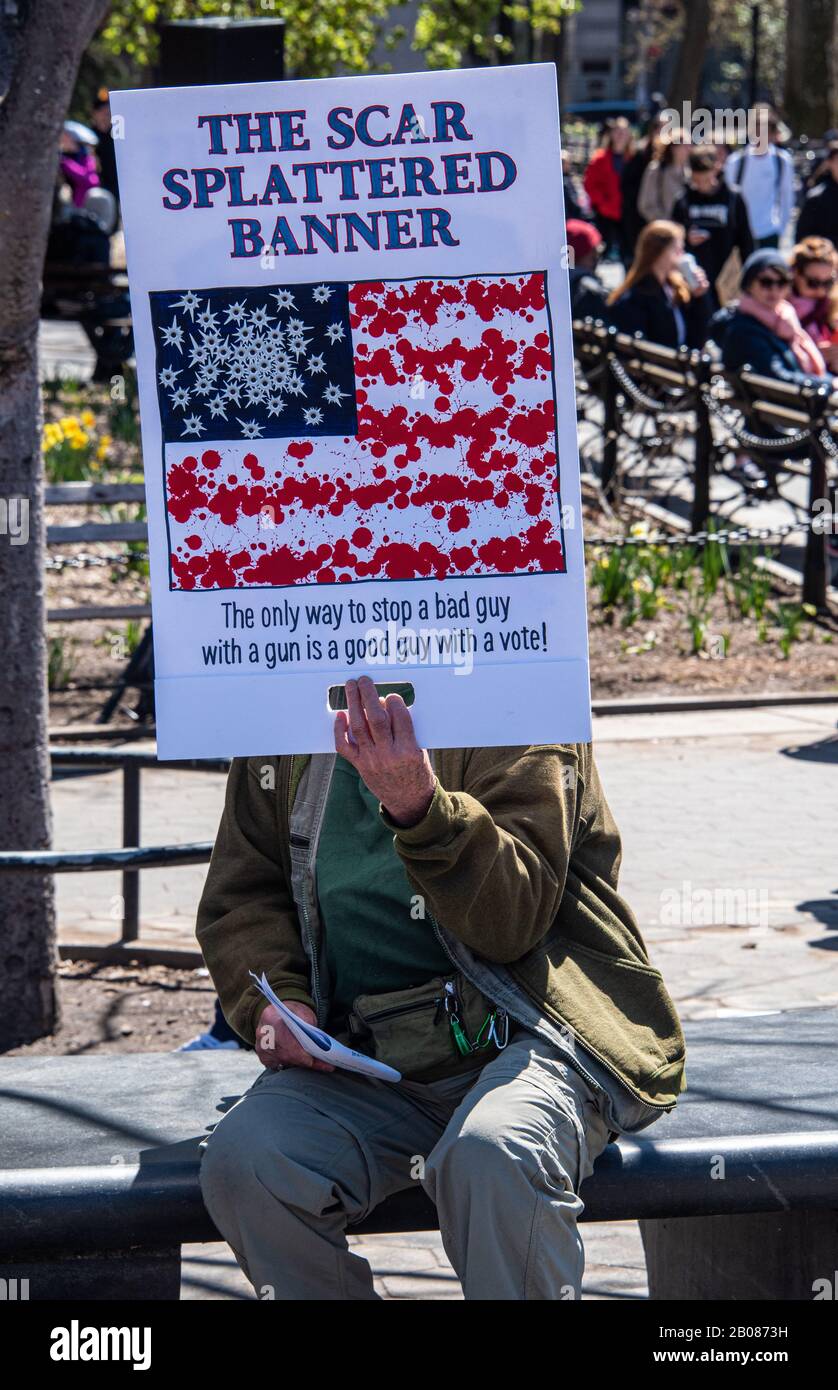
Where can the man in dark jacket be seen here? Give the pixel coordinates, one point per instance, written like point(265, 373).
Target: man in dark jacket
point(819, 214)
point(633, 171)
point(714, 218)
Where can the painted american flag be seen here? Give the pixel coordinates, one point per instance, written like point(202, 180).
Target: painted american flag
point(322, 433)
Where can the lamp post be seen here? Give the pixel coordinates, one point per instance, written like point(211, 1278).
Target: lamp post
point(754, 74)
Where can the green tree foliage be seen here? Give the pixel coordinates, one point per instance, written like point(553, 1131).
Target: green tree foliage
point(732, 22)
point(321, 37)
point(723, 27)
point(324, 37)
point(458, 33)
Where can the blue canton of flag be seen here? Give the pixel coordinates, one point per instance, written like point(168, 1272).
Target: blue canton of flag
point(266, 363)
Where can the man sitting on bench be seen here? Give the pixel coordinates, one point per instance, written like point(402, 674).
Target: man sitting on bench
point(455, 915)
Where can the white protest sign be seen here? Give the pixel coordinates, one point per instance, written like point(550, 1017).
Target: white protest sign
point(352, 326)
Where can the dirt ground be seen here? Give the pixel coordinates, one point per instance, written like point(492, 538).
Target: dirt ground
point(749, 666)
point(126, 1008)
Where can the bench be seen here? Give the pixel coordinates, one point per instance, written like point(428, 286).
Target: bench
point(636, 379)
point(94, 295)
point(736, 1190)
point(625, 383)
point(790, 429)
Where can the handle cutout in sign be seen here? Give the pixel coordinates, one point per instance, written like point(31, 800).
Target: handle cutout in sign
point(337, 693)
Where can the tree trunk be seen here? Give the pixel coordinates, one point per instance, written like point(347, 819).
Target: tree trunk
point(41, 43)
point(811, 99)
point(686, 79)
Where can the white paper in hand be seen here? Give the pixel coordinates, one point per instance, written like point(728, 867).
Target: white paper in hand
point(320, 1045)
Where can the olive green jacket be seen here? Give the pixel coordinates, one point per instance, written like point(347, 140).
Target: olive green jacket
point(517, 860)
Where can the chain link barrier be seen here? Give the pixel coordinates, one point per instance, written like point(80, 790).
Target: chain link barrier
point(686, 403)
point(772, 444)
point(734, 535)
point(86, 562)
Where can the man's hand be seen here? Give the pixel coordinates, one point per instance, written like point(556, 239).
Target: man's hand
point(276, 1045)
point(376, 736)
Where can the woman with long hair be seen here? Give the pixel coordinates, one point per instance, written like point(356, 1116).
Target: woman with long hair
point(635, 167)
point(814, 293)
point(662, 297)
point(603, 184)
point(665, 178)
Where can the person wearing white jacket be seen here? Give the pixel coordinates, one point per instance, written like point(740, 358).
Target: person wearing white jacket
point(763, 174)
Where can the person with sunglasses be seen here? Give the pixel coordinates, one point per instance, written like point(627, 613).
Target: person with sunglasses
point(762, 332)
point(814, 294)
point(714, 218)
point(761, 329)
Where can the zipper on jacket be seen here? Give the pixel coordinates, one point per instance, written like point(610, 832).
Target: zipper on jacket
point(397, 1009)
point(315, 975)
point(308, 841)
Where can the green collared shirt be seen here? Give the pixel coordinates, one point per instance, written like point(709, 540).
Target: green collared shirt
point(377, 937)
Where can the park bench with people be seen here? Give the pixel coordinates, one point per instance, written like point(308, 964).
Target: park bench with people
point(700, 412)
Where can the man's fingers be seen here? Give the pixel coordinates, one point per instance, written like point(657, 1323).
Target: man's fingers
point(401, 722)
point(357, 717)
point(375, 710)
point(344, 744)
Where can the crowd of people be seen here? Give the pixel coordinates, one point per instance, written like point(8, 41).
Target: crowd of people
point(720, 247)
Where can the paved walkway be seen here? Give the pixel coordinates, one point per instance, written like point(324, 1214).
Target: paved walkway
point(64, 352)
point(728, 821)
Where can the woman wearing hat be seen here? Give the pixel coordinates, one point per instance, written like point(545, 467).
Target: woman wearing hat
point(761, 331)
point(588, 295)
point(77, 160)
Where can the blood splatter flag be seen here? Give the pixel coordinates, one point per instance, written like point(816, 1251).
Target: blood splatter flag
point(321, 433)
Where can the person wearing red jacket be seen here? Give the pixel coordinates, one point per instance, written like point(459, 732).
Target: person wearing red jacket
point(603, 185)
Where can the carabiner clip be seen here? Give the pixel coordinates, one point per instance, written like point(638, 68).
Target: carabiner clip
point(501, 1038)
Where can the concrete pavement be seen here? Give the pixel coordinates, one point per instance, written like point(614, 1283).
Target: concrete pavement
point(728, 822)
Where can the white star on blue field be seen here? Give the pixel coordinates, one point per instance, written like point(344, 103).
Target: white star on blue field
point(266, 363)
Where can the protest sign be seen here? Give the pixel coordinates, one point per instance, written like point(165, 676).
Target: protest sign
point(355, 366)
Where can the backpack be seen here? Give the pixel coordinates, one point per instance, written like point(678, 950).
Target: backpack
point(778, 173)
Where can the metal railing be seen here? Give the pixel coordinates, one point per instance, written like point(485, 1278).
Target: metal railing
point(132, 857)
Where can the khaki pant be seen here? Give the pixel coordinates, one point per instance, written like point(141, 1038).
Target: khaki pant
point(502, 1152)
